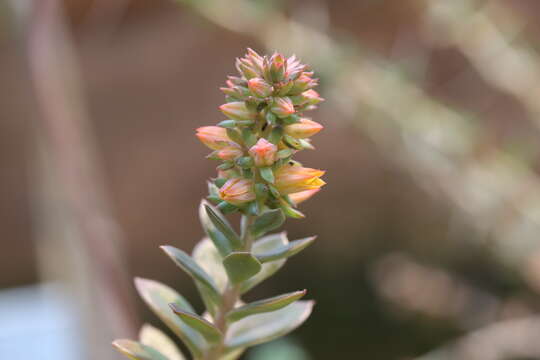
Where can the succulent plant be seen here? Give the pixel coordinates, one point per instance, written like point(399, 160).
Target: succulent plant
point(258, 178)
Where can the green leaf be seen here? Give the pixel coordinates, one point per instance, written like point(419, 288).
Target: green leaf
point(207, 256)
point(204, 327)
point(270, 220)
point(260, 328)
point(137, 351)
point(264, 306)
point(218, 238)
point(290, 211)
point(158, 297)
point(306, 144)
point(155, 338)
point(225, 207)
point(233, 354)
point(249, 137)
point(224, 227)
point(292, 142)
point(186, 263)
point(240, 266)
point(276, 135)
point(286, 251)
point(261, 246)
point(267, 174)
point(234, 136)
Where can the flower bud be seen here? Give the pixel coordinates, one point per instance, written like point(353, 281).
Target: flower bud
point(302, 196)
point(232, 152)
point(263, 153)
point(237, 110)
point(260, 88)
point(237, 191)
point(302, 84)
point(214, 137)
point(293, 179)
point(283, 107)
point(312, 97)
point(304, 128)
point(277, 67)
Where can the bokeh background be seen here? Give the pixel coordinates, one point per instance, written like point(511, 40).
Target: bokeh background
point(428, 228)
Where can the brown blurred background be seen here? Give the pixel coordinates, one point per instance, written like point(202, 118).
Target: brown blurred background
point(427, 227)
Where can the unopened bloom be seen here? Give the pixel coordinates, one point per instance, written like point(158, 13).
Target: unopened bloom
point(214, 137)
point(312, 97)
point(302, 196)
point(304, 128)
point(277, 67)
point(259, 87)
point(237, 191)
point(263, 153)
point(303, 83)
point(236, 110)
point(283, 107)
point(231, 152)
point(293, 179)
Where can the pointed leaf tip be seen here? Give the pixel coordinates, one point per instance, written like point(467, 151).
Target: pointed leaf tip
point(264, 306)
point(287, 250)
point(137, 351)
point(201, 325)
point(186, 263)
point(223, 227)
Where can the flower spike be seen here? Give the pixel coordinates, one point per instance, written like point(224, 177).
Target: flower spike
point(255, 144)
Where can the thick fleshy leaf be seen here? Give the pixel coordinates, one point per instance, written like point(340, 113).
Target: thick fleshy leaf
point(137, 351)
point(208, 257)
point(218, 238)
point(224, 227)
point(264, 306)
point(241, 266)
point(157, 339)
point(204, 327)
point(233, 354)
point(261, 246)
point(270, 220)
point(286, 251)
point(158, 297)
point(186, 263)
point(260, 328)
point(267, 174)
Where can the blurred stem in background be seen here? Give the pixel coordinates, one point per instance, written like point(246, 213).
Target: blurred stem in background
point(79, 242)
point(446, 150)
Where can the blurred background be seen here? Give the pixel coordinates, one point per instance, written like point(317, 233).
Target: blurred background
point(427, 228)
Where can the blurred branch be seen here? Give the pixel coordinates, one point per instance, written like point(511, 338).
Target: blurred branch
point(444, 149)
point(493, 50)
point(510, 339)
point(71, 160)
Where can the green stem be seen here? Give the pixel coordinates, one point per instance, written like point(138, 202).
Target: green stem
point(231, 295)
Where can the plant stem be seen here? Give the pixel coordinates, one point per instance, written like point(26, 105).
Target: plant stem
point(231, 294)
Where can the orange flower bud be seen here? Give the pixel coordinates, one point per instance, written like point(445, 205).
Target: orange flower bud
point(237, 111)
point(303, 129)
point(230, 152)
point(263, 153)
point(260, 88)
point(214, 137)
point(312, 97)
point(283, 107)
point(302, 196)
point(293, 179)
point(237, 191)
